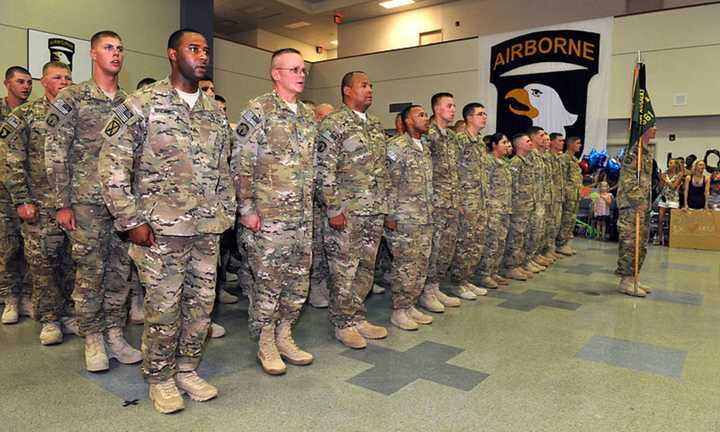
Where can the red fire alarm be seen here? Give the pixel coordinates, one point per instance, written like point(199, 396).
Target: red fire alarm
point(338, 18)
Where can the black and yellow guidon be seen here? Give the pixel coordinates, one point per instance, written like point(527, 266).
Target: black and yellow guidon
point(555, 100)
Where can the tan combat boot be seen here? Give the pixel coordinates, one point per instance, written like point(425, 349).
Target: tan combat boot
point(226, 298)
point(645, 288)
point(378, 289)
point(564, 250)
point(627, 286)
point(371, 331)
point(166, 397)
point(350, 337)
point(137, 310)
point(96, 359)
point(475, 289)
point(531, 267)
point(400, 318)
point(319, 295)
point(51, 334)
point(268, 353)
point(463, 292)
point(516, 274)
point(541, 261)
point(526, 272)
point(10, 313)
point(197, 388)
point(488, 282)
point(118, 348)
point(446, 300)
point(500, 280)
point(548, 258)
point(428, 301)
point(216, 330)
point(419, 317)
point(288, 348)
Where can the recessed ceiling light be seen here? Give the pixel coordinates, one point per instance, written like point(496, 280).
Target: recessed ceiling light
point(297, 25)
point(392, 4)
point(334, 42)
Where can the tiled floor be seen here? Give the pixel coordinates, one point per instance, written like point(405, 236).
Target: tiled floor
point(562, 352)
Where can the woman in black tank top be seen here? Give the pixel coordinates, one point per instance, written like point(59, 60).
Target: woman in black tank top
point(697, 187)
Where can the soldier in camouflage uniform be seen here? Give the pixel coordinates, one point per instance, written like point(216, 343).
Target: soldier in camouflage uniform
point(166, 180)
point(523, 179)
point(446, 199)
point(75, 121)
point(353, 181)
point(473, 184)
point(572, 185)
point(25, 177)
point(319, 296)
point(548, 200)
point(536, 228)
point(499, 205)
point(12, 264)
point(633, 198)
point(273, 165)
point(552, 157)
point(408, 228)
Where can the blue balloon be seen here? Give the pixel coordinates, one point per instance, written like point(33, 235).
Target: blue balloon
point(620, 153)
point(613, 170)
point(604, 156)
point(593, 160)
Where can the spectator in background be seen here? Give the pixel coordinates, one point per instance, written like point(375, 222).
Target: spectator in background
point(145, 82)
point(222, 103)
point(321, 111)
point(697, 187)
point(207, 86)
point(670, 182)
point(459, 126)
point(714, 199)
point(601, 210)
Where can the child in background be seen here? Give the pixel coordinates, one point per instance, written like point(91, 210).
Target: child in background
point(601, 209)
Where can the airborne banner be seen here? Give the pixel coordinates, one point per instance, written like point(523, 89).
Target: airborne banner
point(543, 78)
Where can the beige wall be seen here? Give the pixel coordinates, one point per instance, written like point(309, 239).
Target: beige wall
point(143, 25)
point(273, 41)
point(410, 75)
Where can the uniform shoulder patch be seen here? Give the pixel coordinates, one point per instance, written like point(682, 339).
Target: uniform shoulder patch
point(242, 130)
point(250, 118)
point(5, 131)
point(326, 138)
point(12, 121)
point(63, 107)
point(392, 155)
point(122, 115)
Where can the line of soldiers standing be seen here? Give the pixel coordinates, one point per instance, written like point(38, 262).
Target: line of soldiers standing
point(155, 177)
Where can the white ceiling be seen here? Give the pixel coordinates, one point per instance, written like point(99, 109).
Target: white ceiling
point(237, 16)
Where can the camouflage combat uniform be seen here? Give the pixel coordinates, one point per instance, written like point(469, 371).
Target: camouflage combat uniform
point(446, 200)
point(499, 204)
point(353, 180)
point(75, 121)
point(273, 165)
point(548, 199)
point(571, 193)
point(410, 204)
point(12, 262)
point(166, 165)
point(523, 182)
point(631, 194)
point(536, 229)
point(25, 177)
point(557, 188)
point(473, 184)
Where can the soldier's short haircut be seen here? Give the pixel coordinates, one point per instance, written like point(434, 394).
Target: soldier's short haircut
point(470, 108)
point(347, 82)
point(516, 138)
point(55, 64)
point(435, 99)
point(176, 36)
point(283, 51)
point(405, 113)
point(220, 98)
point(493, 139)
point(555, 135)
point(570, 141)
point(145, 82)
point(101, 34)
point(534, 130)
point(12, 70)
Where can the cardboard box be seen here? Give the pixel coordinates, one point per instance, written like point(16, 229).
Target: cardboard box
point(695, 229)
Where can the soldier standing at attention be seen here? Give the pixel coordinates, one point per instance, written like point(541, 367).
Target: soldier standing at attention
point(75, 121)
point(473, 183)
point(634, 197)
point(499, 205)
point(446, 198)
point(408, 227)
point(26, 179)
point(18, 83)
point(273, 165)
point(353, 180)
point(572, 186)
point(166, 180)
point(536, 229)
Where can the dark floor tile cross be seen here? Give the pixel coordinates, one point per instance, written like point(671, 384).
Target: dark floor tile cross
point(392, 370)
point(531, 299)
point(587, 269)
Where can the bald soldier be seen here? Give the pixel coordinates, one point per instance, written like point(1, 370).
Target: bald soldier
point(18, 83)
point(353, 180)
point(408, 226)
point(274, 170)
point(572, 185)
point(75, 121)
point(25, 178)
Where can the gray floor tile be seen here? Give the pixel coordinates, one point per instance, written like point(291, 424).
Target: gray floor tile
point(634, 355)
